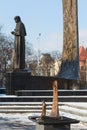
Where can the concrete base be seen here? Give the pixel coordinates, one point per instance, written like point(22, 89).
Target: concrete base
point(53, 123)
point(52, 127)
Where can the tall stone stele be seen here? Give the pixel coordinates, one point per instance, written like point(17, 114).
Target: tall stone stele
point(70, 56)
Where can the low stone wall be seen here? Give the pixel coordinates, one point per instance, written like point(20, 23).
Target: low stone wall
point(24, 81)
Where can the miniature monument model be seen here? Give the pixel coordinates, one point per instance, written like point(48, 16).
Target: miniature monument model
point(53, 121)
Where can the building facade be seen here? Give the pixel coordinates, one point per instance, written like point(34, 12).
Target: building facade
point(83, 63)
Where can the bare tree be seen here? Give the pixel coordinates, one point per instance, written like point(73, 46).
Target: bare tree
point(6, 45)
point(56, 55)
point(46, 64)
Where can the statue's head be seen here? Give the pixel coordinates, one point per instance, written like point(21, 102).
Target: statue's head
point(17, 19)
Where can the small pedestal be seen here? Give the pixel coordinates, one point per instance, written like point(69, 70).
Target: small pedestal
point(53, 123)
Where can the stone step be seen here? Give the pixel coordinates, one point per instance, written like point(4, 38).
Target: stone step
point(24, 103)
point(22, 110)
point(30, 107)
point(41, 98)
point(22, 107)
point(25, 98)
point(82, 106)
point(75, 110)
point(34, 92)
point(19, 111)
point(72, 98)
point(50, 92)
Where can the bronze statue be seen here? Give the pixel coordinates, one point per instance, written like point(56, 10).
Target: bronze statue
point(19, 44)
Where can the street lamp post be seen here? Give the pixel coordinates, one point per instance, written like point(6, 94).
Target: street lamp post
point(39, 54)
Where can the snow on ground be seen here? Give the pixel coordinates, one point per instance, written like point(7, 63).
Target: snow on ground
point(19, 121)
point(16, 122)
point(76, 111)
point(78, 126)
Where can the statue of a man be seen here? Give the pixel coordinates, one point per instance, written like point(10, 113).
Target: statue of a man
point(19, 44)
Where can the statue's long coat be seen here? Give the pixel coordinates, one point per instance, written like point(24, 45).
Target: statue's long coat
point(19, 46)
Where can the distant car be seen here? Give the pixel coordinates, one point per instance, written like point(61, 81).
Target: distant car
point(27, 70)
point(2, 90)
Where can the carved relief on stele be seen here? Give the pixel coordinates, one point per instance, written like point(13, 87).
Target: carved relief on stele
point(70, 30)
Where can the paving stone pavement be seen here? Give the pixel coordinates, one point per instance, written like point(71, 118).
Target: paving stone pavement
point(16, 122)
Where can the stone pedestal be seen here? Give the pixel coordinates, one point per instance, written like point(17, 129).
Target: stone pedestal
point(52, 127)
point(16, 81)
